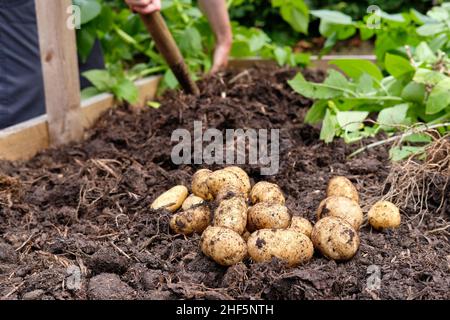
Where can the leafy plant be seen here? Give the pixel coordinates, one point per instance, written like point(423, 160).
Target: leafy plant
point(417, 90)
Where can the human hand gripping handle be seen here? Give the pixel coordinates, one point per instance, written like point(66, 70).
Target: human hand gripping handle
point(149, 11)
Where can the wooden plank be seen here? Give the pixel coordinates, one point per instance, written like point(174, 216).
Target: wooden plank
point(60, 71)
point(23, 141)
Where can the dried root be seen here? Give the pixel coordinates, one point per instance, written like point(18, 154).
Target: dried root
point(10, 189)
point(421, 183)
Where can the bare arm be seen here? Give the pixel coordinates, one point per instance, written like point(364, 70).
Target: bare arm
point(217, 13)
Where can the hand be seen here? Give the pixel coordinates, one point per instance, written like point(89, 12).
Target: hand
point(221, 54)
point(144, 6)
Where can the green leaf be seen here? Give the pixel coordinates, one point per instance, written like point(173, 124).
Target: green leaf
point(424, 53)
point(297, 18)
point(438, 13)
point(334, 17)
point(397, 65)
point(154, 104)
point(170, 80)
point(101, 79)
point(89, 92)
point(89, 9)
point(430, 29)
point(85, 42)
point(439, 97)
point(391, 117)
point(126, 90)
point(418, 138)
point(403, 152)
point(429, 77)
point(316, 112)
point(364, 84)
point(335, 85)
point(366, 33)
point(280, 55)
point(351, 121)
point(354, 68)
point(414, 92)
point(328, 130)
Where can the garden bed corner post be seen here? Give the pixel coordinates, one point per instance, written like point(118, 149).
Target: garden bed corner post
point(60, 71)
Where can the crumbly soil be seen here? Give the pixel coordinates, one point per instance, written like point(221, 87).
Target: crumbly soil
point(76, 223)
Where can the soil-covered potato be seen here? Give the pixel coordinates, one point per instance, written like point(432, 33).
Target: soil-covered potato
point(384, 215)
point(223, 245)
point(341, 207)
point(342, 187)
point(171, 200)
point(335, 238)
point(268, 216)
point(192, 220)
point(232, 214)
point(192, 201)
point(199, 186)
point(301, 225)
point(265, 191)
point(243, 176)
point(228, 193)
point(221, 180)
point(287, 245)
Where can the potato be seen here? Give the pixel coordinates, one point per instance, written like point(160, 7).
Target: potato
point(342, 187)
point(268, 216)
point(221, 180)
point(383, 215)
point(171, 200)
point(341, 207)
point(192, 220)
point(223, 245)
point(243, 176)
point(192, 201)
point(228, 193)
point(301, 225)
point(265, 191)
point(199, 186)
point(287, 245)
point(335, 238)
point(231, 214)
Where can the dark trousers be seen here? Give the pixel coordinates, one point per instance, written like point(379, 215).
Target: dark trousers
point(21, 84)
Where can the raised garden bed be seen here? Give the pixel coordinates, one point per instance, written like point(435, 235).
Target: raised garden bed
point(87, 205)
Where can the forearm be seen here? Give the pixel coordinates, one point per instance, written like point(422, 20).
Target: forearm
point(217, 13)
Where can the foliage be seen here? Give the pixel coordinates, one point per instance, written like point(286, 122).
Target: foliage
point(417, 89)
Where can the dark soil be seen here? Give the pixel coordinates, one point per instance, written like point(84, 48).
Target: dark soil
point(82, 212)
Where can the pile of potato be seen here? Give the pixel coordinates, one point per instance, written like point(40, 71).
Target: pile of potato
point(266, 228)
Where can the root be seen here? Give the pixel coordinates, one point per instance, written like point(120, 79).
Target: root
point(422, 182)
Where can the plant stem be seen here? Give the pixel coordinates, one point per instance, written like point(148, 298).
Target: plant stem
point(401, 136)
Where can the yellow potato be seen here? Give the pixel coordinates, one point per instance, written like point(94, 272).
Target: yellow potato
point(192, 201)
point(223, 245)
point(268, 216)
point(384, 215)
point(192, 220)
point(335, 238)
point(171, 200)
point(342, 187)
point(221, 180)
point(231, 214)
point(265, 191)
point(243, 176)
point(287, 245)
point(341, 207)
point(199, 186)
point(228, 193)
point(301, 225)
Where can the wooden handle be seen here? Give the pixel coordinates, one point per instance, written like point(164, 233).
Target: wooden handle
point(168, 48)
